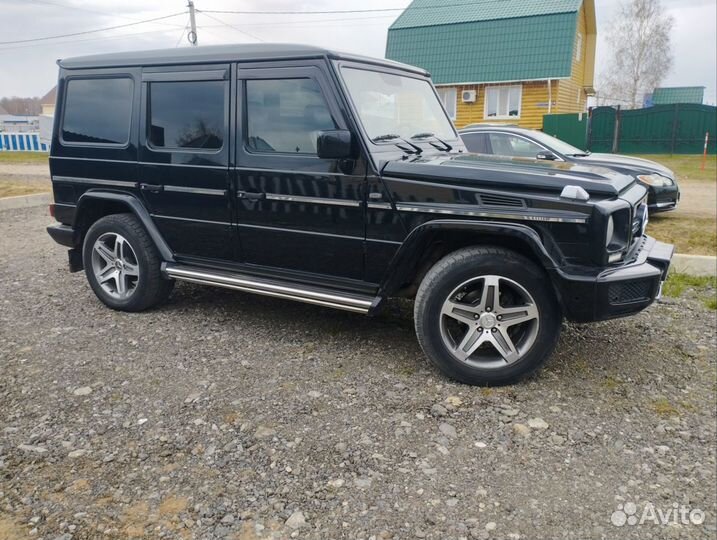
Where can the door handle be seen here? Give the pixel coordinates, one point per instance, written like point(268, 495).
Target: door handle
point(375, 196)
point(154, 188)
point(251, 196)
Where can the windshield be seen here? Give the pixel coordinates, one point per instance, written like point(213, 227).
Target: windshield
point(556, 145)
point(394, 106)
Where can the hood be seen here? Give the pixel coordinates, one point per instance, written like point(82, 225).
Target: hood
point(500, 172)
point(627, 164)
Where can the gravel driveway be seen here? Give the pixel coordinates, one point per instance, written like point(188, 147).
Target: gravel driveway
point(226, 415)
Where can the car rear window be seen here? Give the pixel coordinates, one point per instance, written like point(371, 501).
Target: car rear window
point(98, 111)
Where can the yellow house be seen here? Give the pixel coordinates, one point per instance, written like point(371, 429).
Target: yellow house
point(501, 61)
point(48, 102)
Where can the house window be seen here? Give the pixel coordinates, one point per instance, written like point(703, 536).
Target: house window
point(578, 47)
point(448, 97)
point(503, 101)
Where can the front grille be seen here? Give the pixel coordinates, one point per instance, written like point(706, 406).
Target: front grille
point(629, 291)
point(639, 220)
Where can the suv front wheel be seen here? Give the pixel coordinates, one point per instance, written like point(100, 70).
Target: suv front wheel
point(487, 316)
point(123, 265)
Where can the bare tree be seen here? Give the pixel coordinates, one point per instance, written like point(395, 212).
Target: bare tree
point(641, 53)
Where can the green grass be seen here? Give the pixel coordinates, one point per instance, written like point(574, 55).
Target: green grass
point(687, 166)
point(23, 157)
point(703, 287)
point(690, 235)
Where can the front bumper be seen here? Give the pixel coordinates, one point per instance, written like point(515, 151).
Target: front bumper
point(595, 295)
point(663, 198)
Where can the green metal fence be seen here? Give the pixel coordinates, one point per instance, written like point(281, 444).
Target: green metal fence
point(662, 129)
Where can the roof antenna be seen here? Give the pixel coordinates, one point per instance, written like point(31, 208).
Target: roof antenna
point(192, 35)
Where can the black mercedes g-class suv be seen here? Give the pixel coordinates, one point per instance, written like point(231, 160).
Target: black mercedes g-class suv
point(338, 180)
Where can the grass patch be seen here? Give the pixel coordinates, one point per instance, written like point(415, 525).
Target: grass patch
point(677, 284)
point(664, 408)
point(687, 166)
point(690, 235)
point(8, 188)
point(711, 303)
point(24, 157)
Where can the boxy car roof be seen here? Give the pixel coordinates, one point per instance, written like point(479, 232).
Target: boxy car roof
point(222, 54)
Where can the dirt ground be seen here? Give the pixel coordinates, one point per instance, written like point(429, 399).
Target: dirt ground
point(223, 415)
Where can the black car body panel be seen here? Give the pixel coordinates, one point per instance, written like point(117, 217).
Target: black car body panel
point(358, 228)
point(660, 198)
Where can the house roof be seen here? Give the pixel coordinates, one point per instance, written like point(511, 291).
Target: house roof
point(678, 94)
point(488, 40)
point(50, 97)
point(438, 12)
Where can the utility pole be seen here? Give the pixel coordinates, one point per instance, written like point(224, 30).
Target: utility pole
point(192, 35)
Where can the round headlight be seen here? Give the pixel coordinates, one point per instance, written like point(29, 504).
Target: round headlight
point(655, 180)
point(610, 231)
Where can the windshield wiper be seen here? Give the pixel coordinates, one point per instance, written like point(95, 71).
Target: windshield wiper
point(425, 135)
point(386, 137)
point(412, 148)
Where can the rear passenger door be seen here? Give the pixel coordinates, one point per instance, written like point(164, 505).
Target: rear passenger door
point(184, 158)
point(294, 210)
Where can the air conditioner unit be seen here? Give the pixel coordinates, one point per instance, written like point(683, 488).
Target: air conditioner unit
point(469, 96)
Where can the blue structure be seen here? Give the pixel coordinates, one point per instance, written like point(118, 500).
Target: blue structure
point(22, 142)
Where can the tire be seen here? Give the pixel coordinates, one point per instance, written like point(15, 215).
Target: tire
point(123, 265)
point(476, 338)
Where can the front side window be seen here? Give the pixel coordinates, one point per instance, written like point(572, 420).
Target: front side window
point(510, 145)
point(448, 97)
point(98, 111)
point(392, 106)
point(503, 101)
point(285, 115)
point(187, 114)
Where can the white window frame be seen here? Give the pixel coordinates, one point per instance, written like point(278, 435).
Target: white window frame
point(444, 93)
point(578, 47)
point(489, 89)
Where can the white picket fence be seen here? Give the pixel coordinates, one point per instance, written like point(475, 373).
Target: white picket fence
point(22, 142)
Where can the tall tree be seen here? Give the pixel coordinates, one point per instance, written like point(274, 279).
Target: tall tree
point(641, 54)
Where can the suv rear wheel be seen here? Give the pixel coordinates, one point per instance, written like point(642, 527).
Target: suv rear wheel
point(485, 316)
point(122, 264)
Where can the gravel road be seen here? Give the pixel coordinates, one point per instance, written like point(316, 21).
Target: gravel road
point(226, 415)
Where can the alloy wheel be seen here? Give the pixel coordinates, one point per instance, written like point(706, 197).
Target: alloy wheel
point(115, 265)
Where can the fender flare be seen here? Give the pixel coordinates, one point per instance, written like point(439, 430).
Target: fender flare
point(409, 253)
point(135, 206)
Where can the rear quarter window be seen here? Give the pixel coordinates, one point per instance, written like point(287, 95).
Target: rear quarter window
point(98, 111)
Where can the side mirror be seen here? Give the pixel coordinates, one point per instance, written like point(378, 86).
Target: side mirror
point(546, 156)
point(335, 144)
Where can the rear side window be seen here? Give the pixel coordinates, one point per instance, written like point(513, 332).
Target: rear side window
point(187, 114)
point(285, 115)
point(476, 142)
point(98, 111)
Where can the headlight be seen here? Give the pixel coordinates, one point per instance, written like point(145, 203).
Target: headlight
point(655, 180)
point(610, 231)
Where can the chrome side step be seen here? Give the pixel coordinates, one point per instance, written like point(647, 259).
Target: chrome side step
point(270, 287)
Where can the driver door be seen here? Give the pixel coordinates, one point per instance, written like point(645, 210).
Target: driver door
point(294, 210)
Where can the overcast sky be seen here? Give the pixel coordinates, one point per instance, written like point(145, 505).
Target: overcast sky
point(28, 69)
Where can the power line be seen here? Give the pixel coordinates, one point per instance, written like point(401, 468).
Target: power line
point(96, 12)
point(341, 11)
point(46, 38)
point(229, 25)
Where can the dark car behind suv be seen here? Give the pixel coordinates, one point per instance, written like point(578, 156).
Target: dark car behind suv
point(337, 180)
point(513, 141)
